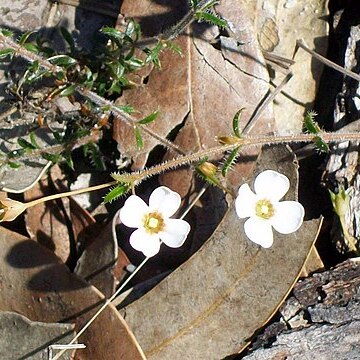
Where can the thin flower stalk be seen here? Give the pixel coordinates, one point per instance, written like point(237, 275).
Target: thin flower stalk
point(102, 308)
point(11, 209)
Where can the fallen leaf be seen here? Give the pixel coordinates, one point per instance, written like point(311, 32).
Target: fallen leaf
point(49, 223)
point(204, 88)
point(34, 283)
point(228, 289)
point(103, 263)
point(21, 338)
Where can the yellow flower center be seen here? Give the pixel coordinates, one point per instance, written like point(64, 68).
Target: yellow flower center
point(264, 209)
point(153, 223)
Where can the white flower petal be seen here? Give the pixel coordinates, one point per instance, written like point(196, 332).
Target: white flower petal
point(259, 231)
point(175, 233)
point(166, 201)
point(288, 216)
point(271, 185)
point(133, 211)
point(245, 202)
point(144, 242)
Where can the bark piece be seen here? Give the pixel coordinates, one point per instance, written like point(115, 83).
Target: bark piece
point(342, 166)
point(324, 316)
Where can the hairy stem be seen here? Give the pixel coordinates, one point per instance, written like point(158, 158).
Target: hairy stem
point(245, 141)
point(56, 149)
point(187, 20)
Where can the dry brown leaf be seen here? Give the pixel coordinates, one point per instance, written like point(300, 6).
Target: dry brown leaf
point(211, 305)
point(103, 263)
point(84, 226)
point(36, 284)
point(49, 223)
point(205, 87)
point(21, 338)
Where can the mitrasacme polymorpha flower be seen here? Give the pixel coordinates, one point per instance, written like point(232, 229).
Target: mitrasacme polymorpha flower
point(153, 221)
point(265, 210)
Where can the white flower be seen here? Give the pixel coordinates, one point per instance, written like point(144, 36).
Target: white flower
point(153, 222)
point(265, 210)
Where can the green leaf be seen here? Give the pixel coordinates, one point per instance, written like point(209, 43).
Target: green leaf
point(69, 90)
point(59, 138)
point(13, 165)
point(193, 4)
point(54, 158)
point(60, 75)
point(92, 151)
point(6, 32)
point(126, 108)
point(130, 28)
point(230, 161)
point(210, 4)
point(112, 33)
point(212, 19)
point(31, 47)
point(150, 118)
point(321, 145)
point(117, 70)
point(24, 37)
point(116, 192)
point(311, 126)
point(69, 160)
point(25, 144)
point(62, 60)
point(134, 63)
point(16, 153)
point(33, 141)
point(174, 48)
point(235, 123)
point(5, 52)
point(68, 38)
point(153, 54)
point(139, 140)
point(114, 88)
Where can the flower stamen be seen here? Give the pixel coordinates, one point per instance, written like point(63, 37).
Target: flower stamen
point(153, 223)
point(264, 209)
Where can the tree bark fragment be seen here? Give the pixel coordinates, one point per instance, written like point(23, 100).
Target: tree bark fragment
point(320, 321)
